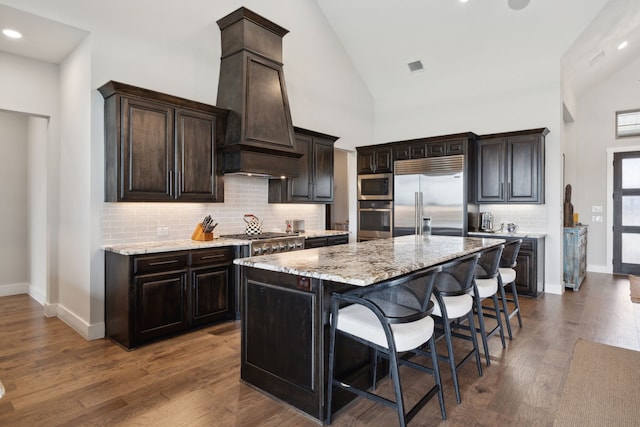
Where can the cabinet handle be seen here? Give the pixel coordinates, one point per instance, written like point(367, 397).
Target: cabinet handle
point(211, 256)
point(170, 183)
point(153, 264)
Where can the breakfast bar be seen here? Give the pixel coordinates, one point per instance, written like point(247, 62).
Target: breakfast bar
point(285, 303)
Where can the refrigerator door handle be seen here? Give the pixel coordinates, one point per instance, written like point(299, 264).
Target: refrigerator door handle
point(418, 213)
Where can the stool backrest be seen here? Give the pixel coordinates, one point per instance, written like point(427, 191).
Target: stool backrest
point(401, 300)
point(510, 253)
point(457, 276)
point(489, 262)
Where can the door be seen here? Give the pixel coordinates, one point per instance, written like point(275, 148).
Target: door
point(626, 213)
point(491, 159)
point(147, 151)
point(523, 180)
point(323, 171)
point(404, 204)
point(196, 157)
point(211, 299)
point(443, 197)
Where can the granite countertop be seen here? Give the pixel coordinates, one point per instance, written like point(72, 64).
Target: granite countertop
point(520, 234)
point(364, 263)
point(188, 244)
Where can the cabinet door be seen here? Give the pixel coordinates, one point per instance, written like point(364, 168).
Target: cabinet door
point(436, 149)
point(491, 158)
point(523, 168)
point(300, 186)
point(322, 171)
point(160, 304)
point(196, 156)
point(147, 157)
point(210, 295)
point(366, 163)
point(383, 160)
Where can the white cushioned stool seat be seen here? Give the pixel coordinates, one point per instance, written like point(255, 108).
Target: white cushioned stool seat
point(487, 287)
point(360, 321)
point(457, 306)
point(508, 275)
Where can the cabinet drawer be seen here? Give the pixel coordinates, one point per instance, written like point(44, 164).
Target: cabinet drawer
point(161, 263)
point(211, 256)
point(337, 240)
point(527, 244)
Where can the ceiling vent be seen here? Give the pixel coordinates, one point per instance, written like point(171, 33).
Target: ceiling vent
point(415, 66)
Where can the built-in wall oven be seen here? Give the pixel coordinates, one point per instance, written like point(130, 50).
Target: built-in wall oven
point(375, 219)
point(378, 186)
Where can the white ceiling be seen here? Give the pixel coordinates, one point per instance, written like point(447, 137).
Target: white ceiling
point(482, 47)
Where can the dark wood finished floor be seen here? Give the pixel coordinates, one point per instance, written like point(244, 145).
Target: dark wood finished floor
point(54, 377)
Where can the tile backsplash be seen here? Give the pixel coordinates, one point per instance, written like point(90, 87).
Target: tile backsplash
point(532, 218)
point(138, 222)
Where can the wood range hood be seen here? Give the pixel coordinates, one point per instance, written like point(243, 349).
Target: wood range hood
point(259, 137)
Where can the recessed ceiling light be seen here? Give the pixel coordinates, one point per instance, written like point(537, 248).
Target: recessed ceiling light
point(11, 33)
point(623, 45)
point(463, 1)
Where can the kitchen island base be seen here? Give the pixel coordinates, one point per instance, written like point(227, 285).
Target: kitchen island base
point(285, 341)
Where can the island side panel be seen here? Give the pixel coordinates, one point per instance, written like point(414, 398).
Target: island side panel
point(285, 339)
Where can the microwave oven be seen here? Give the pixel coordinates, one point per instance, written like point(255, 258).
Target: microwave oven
point(375, 186)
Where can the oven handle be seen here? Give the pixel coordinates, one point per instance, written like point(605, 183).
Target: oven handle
point(374, 210)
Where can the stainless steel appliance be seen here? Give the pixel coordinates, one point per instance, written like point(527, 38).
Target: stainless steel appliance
point(486, 221)
point(375, 219)
point(269, 243)
point(377, 186)
point(430, 188)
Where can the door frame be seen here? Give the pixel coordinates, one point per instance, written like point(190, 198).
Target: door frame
point(609, 200)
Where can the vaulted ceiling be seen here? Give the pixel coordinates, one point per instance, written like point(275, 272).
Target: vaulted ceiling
point(480, 47)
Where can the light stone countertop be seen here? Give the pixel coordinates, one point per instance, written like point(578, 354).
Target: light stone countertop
point(188, 244)
point(364, 263)
point(499, 234)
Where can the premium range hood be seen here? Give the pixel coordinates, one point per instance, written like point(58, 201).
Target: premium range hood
point(259, 138)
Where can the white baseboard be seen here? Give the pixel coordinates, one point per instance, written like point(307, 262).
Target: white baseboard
point(554, 288)
point(13, 289)
point(600, 269)
point(37, 294)
point(86, 330)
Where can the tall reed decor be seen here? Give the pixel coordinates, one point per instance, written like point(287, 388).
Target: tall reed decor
point(568, 207)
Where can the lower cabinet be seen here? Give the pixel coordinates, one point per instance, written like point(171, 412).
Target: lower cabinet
point(154, 295)
point(318, 242)
point(530, 268)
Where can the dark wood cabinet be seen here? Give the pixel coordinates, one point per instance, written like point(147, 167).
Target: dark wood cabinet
point(159, 147)
point(510, 167)
point(374, 159)
point(154, 295)
point(160, 304)
point(314, 184)
point(318, 242)
point(530, 267)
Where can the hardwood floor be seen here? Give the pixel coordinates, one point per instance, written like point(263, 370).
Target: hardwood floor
point(53, 376)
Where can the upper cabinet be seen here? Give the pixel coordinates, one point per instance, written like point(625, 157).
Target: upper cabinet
point(314, 184)
point(510, 167)
point(159, 147)
point(374, 159)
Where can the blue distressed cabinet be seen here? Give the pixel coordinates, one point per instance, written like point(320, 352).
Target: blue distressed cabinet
point(575, 256)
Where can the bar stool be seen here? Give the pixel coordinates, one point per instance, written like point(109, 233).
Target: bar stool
point(454, 303)
point(507, 275)
point(392, 317)
point(486, 286)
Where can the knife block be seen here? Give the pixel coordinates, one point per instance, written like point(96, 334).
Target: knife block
point(200, 235)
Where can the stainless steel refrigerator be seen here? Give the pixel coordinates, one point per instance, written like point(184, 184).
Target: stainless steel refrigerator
point(434, 188)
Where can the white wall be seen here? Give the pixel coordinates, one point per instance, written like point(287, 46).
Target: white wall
point(31, 87)
point(594, 134)
point(37, 135)
point(14, 193)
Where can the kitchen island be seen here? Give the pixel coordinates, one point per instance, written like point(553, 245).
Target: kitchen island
point(286, 304)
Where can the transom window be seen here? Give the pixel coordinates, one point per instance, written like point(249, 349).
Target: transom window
point(627, 123)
